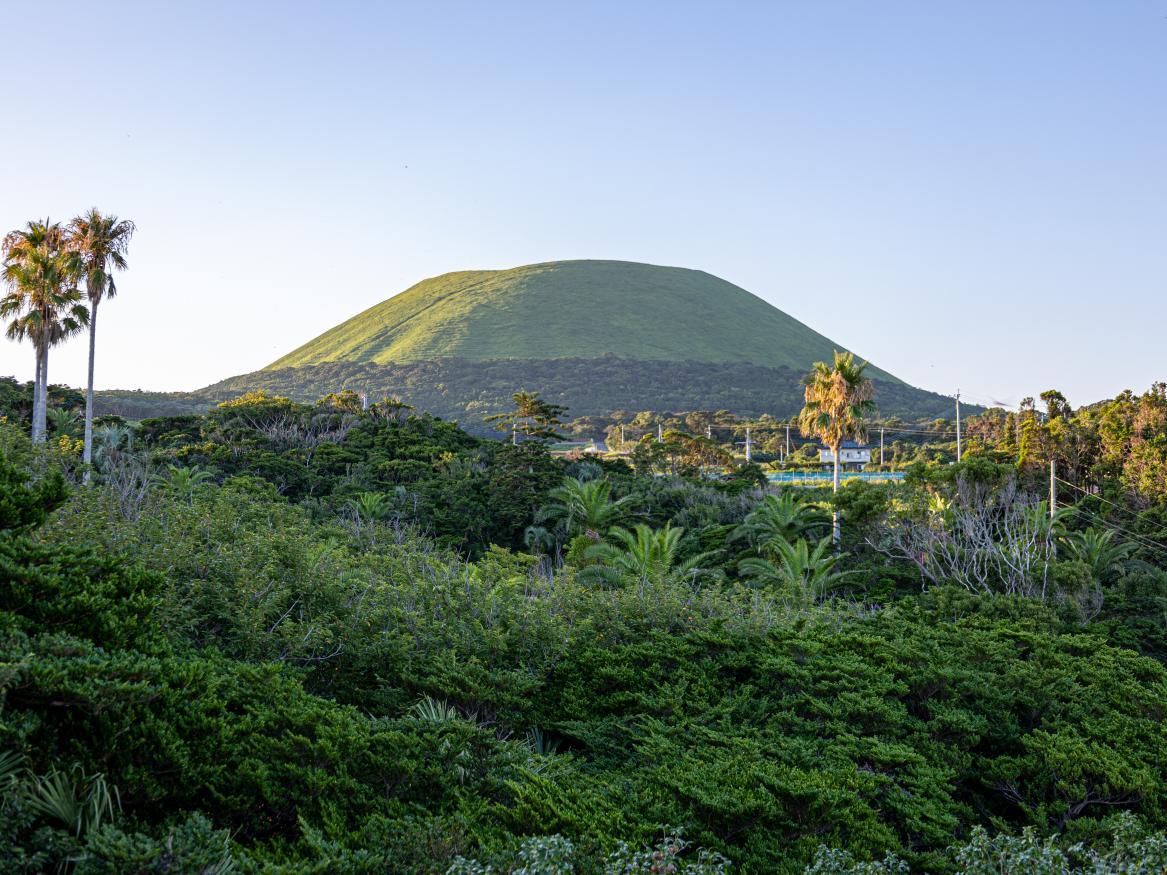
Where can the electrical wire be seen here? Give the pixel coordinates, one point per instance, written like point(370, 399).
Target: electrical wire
point(1142, 540)
point(1113, 504)
point(738, 427)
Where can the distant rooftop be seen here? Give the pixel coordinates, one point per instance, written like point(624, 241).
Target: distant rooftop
point(852, 445)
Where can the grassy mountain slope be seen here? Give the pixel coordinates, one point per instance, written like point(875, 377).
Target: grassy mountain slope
point(572, 309)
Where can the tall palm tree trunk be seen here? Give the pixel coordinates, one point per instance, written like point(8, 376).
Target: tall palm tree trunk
point(36, 394)
point(87, 454)
point(836, 534)
point(40, 415)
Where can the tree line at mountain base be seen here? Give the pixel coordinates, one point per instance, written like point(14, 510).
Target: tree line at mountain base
point(467, 391)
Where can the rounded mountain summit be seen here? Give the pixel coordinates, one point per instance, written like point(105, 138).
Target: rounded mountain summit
point(572, 310)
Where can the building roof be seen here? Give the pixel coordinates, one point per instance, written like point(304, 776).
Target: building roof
point(849, 445)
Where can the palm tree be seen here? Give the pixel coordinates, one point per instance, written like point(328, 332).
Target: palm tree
point(838, 399)
point(810, 574)
point(111, 440)
point(536, 418)
point(42, 301)
point(583, 507)
point(538, 540)
point(100, 242)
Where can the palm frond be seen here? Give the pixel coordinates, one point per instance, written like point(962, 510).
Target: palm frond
point(11, 763)
point(431, 710)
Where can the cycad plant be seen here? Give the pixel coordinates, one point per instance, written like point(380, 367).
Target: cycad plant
point(370, 506)
point(806, 573)
point(183, 481)
point(11, 764)
point(778, 519)
point(1097, 549)
point(584, 508)
point(62, 422)
point(642, 555)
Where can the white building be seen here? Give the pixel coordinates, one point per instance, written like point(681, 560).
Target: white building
point(853, 456)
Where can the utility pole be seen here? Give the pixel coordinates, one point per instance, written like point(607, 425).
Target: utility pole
point(515, 433)
point(660, 435)
point(1053, 488)
point(881, 446)
point(958, 425)
point(621, 437)
point(748, 454)
point(788, 440)
point(709, 432)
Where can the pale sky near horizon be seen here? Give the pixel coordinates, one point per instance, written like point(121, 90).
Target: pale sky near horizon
point(972, 195)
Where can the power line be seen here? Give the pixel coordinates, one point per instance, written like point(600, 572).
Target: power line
point(874, 426)
point(1142, 540)
point(1099, 497)
point(919, 431)
point(1113, 504)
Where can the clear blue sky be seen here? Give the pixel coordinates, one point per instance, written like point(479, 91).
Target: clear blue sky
point(973, 195)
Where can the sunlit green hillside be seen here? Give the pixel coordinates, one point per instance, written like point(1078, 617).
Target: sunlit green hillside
point(572, 309)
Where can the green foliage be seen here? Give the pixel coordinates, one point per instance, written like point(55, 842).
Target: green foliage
point(533, 418)
point(667, 855)
point(1134, 612)
point(1098, 550)
point(1131, 851)
point(556, 855)
point(803, 573)
point(584, 508)
point(863, 506)
point(379, 465)
point(66, 587)
point(183, 481)
point(25, 503)
point(835, 861)
point(192, 845)
point(642, 555)
point(332, 653)
point(888, 731)
point(79, 803)
point(538, 855)
point(779, 519)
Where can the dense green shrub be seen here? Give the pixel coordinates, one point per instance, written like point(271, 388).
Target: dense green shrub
point(337, 656)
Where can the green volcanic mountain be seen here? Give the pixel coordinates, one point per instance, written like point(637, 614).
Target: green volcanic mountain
point(596, 336)
point(571, 309)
